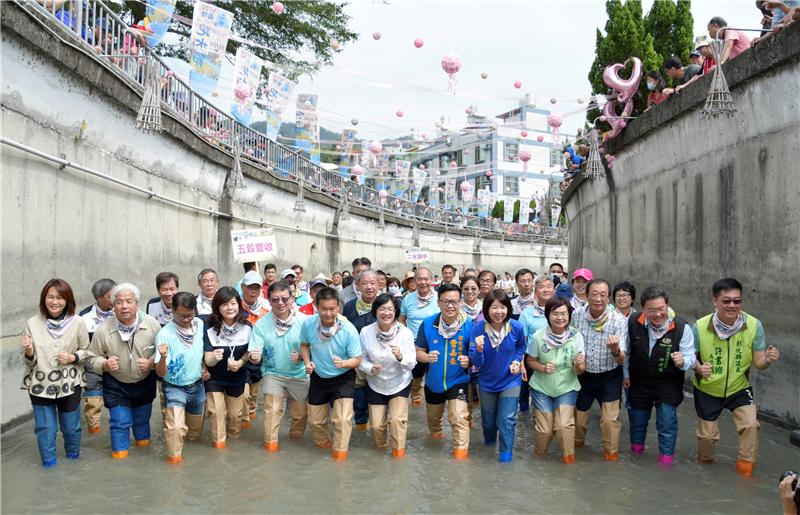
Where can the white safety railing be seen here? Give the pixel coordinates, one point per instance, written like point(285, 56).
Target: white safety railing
point(101, 31)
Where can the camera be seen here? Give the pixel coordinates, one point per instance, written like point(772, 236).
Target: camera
point(796, 497)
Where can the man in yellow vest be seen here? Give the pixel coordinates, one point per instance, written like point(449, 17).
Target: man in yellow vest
point(728, 342)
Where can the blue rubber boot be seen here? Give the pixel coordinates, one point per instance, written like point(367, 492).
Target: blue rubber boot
point(70, 423)
point(46, 428)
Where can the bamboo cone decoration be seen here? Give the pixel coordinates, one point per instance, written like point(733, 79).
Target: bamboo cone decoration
point(719, 100)
point(149, 117)
point(594, 165)
point(235, 177)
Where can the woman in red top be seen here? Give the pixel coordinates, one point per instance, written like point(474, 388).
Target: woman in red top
point(655, 85)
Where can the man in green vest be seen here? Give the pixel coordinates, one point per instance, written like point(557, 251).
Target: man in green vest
point(727, 343)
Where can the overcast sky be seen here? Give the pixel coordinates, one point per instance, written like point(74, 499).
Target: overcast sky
point(548, 45)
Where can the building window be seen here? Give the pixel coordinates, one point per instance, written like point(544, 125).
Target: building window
point(481, 181)
point(510, 152)
point(555, 157)
point(479, 157)
point(511, 185)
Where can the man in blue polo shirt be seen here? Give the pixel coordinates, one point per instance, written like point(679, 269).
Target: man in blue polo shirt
point(416, 307)
point(443, 343)
point(331, 351)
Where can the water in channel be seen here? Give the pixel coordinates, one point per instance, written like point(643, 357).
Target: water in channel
point(301, 478)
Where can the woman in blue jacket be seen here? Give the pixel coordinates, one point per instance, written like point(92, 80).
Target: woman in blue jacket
point(497, 347)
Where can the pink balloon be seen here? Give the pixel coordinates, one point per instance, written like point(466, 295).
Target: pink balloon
point(617, 122)
point(357, 170)
point(540, 138)
point(451, 63)
point(383, 194)
point(524, 156)
point(375, 147)
point(624, 87)
point(524, 134)
point(277, 7)
point(418, 42)
point(518, 84)
point(399, 114)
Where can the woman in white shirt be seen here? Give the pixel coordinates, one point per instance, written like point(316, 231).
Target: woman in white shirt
point(389, 356)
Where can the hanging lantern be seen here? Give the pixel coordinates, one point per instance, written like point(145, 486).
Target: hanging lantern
point(518, 84)
point(524, 134)
point(468, 111)
point(453, 165)
point(581, 100)
point(375, 148)
point(357, 170)
point(524, 156)
point(489, 173)
point(376, 36)
point(539, 138)
point(555, 121)
point(277, 7)
point(383, 195)
point(354, 121)
point(484, 75)
point(451, 63)
point(418, 42)
point(553, 100)
point(335, 44)
point(399, 113)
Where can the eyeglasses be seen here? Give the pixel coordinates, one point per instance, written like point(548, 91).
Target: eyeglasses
point(279, 300)
point(388, 309)
point(728, 302)
point(560, 316)
point(188, 316)
point(452, 303)
point(656, 311)
point(622, 294)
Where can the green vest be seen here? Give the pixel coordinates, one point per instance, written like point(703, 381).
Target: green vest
point(564, 379)
point(730, 359)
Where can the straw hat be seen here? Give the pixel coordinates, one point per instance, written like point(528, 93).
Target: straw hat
point(404, 283)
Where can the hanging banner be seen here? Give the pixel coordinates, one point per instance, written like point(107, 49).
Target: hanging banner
point(253, 245)
point(158, 16)
point(450, 194)
point(524, 211)
point(211, 27)
point(348, 138)
point(307, 127)
point(418, 181)
point(433, 192)
point(402, 169)
point(555, 213)
point(467, 194)
point(484, 196)
point(508, 210)
point(246, 76)
point(279, 89)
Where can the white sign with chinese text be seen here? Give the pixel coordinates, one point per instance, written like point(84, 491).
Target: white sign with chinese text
point(253, 245)
point(417, 255)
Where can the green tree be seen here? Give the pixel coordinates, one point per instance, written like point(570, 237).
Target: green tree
point(304, 28)
point(497, 210)
point(683, 36)
point(659, 23)
point(624, 37)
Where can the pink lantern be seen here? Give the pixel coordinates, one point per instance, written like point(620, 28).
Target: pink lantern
point(376, 36)
point(555, 121)
point(540, 138)
point(277, 7)
point(453, 165)
point(518, 84)
point(451, 63)
point(553, 100)
point(358, 170)
point(524, 134)
point(466, 191)
point(489, 173)
point(421, 167)
point(375, 148)
point(354, 121)
point(399, 114)
point(241, 92)
point(383, 194)
point(468, 111)
point(525, 156)
point(170, 73)
point(418, 42)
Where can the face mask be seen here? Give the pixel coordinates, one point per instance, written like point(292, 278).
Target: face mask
point(651, 86)
point(394, 289)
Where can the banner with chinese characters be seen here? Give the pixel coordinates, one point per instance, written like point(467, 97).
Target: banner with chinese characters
point(418, 181)
point(402, 169)
point(417, 255)
point(211, 27)
point(246, 76)
point(484, 197)
point(158, 16)
point(524, 211)
point(346, 162)
point(307, 127)
point(279, 89)
point(433, 192)
point(253, 245)
point(467, 196)
point(450, 193)
point(508, 209)
point(555, 212)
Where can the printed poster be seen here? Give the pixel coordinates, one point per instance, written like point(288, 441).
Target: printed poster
point(246, 77)
point(279, 89)
point(211, 27)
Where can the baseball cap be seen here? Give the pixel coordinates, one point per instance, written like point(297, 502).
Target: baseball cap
point(694, 53)
point(701, 41)
point(250, 278)
point(582, 272)
point(286, 273)
point(317, 281)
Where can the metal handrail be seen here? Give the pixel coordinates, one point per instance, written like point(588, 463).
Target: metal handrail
point(121, 47)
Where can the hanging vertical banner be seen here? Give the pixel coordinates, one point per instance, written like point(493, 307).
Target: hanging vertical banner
point(401, 169)
point(555, 212)
point(450, 193)
point(508, 209)
point(211, 27)
point(348, 138)
point(467, 193)
point(484, 196)
point(246, 76)
point(418, 181)
point(524, 211)
point(307, 127)
point(279, 89)
point(158, 16)
point(433, 192)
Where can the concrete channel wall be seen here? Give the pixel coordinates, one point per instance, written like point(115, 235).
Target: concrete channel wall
point(60, 222)
point(690, 201)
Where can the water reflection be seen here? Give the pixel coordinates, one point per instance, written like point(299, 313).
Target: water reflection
point(301, 478)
